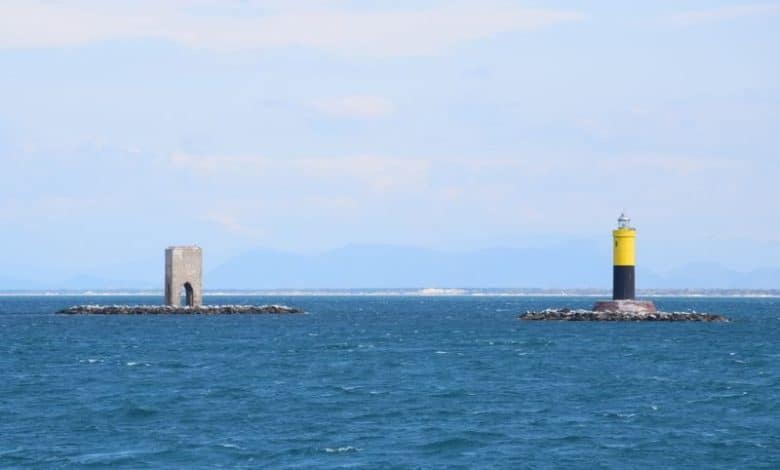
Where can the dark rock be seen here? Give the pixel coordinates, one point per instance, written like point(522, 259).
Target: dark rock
point(168, 310)
point(566, 314)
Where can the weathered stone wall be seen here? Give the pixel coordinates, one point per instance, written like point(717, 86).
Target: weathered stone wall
point(184, 270)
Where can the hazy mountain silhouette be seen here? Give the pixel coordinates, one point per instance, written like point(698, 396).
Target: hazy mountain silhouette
point(580, 264)
point(379, 266)
point(709, 276)
point(576, 264)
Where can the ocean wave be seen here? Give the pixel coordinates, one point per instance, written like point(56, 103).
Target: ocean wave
point(339, 450)
point(135, 363)
point(90, 361)
point(112, 458)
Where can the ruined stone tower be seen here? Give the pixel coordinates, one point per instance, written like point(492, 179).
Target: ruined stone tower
point(184, 271)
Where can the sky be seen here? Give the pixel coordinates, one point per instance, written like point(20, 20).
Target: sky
point(304, 126)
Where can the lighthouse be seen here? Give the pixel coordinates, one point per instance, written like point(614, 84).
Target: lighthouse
point(624, 260)
point(624, 273)
point(623, 306)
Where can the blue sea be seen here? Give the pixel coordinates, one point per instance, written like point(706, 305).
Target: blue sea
point(388, 382)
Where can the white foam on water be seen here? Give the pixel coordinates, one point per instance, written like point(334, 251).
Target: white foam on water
point(441, 352)
point(335, 450)
point(110, 457)
point(133, 364)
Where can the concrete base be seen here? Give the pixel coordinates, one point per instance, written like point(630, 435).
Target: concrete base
point(625, 306)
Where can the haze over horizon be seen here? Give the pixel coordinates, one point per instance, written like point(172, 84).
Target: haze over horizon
point(294, 129)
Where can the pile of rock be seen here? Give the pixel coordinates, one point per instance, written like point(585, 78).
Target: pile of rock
point(168, 310)
point(565, 314)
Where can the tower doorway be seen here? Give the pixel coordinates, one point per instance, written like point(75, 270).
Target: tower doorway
point(188, 294)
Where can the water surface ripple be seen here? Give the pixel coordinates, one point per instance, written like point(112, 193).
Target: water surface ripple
point(388, 382)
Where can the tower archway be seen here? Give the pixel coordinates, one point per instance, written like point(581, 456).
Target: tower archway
point(189, 298)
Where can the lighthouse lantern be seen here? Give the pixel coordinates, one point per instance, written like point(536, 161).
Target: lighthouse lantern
point(623, 221)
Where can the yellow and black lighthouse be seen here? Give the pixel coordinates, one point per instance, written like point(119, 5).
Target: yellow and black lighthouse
point(624, 260)
point(624, 273)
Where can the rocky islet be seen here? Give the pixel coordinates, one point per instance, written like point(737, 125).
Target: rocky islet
point(566, 314)
point(175, 310)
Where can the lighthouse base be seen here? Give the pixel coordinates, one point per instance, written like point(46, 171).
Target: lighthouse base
point(625, 306)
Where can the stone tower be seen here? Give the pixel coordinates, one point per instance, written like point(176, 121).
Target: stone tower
point(184, 270)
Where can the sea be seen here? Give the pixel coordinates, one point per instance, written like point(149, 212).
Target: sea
point(388, 382)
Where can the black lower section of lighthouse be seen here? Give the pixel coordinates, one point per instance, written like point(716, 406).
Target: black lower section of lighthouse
point(623, 283)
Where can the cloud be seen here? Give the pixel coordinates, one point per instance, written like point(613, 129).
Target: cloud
point(231, 224)
point(378, 173)
point(329, 26)
point(356, 106)
point(384, 174)
point(374, 173)
point(216, 164)
point(713, 15)
point(48, 208)
point(674, 165)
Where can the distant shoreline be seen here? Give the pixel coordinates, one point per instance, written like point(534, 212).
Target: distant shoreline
point(405, 292)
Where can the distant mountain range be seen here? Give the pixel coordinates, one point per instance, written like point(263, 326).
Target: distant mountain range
point(572, 265)
point(583, 265)
point(370, 266)
point(76, 283)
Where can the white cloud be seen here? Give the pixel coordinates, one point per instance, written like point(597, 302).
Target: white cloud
point(373, 173)
point(675, 165)
point(216, 164)
point(384, 174)
point(256, 25)
point(231, 224)
point(47, 208)
point(379, 173)
point(712, 15)
point(356, 106)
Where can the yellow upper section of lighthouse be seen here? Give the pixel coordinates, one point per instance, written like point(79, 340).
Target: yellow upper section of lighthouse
point(624, 254)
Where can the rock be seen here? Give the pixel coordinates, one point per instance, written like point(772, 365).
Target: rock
point(168, 310)
point(566, 314)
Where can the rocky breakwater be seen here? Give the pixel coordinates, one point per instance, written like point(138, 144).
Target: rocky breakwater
point(565, 314)
point(168, 310)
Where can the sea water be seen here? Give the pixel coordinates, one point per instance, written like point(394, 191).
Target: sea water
point(388, 382)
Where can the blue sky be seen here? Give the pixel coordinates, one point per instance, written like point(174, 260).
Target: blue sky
point(307, 125)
